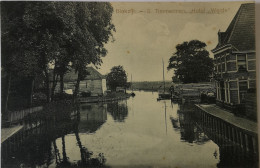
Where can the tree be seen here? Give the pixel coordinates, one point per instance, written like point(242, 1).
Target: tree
point(191, 62)
point(117, 77)
point(94, 28)
point(61, 34)
point(18, 55)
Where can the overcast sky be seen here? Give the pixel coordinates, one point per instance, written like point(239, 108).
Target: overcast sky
point(143, 39)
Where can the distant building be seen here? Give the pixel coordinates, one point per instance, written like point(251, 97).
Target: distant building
point(95, 83)
point(235, 61)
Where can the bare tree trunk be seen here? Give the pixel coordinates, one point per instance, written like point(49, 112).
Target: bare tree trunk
point(47, 85)
point(61, 83)
point(54, 83)
point(76, 91)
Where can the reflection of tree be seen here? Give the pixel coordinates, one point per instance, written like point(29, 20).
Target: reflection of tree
point(189, 130)
point(86, 159)
point(92, 117)
point(33, 153)
point(118, 110)
point(65, 162)
point(56, 152)
point(39, 149)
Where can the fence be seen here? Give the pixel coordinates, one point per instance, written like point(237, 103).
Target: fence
point(16, 116)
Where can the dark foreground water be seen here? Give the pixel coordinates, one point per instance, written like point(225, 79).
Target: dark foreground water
point(138, 132)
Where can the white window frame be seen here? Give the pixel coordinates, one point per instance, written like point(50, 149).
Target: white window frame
point(242, 80)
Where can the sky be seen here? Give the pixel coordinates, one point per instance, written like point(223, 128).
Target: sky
point(145, 34)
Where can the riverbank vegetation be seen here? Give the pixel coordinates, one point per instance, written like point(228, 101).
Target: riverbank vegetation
point(116, 78)
point(151, 85)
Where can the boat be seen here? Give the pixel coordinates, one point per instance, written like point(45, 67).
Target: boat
point(163, 95)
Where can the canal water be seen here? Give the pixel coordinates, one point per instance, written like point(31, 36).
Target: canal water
point(137, 132)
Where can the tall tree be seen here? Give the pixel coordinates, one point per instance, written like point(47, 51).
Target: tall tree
point(38, 36)
point(18, 57)
point(191, 62)
point(94, 28)
point(116, 78)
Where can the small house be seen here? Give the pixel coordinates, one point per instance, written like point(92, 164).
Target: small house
point(94, 83)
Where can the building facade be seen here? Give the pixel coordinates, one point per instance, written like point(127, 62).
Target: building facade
point(235, 60)
point(94, 83)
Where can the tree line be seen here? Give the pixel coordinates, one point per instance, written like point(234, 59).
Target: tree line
point(39, 36)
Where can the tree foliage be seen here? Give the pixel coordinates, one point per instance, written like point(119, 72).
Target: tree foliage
point(117, 78)
point(39, 36)
point(191, 62)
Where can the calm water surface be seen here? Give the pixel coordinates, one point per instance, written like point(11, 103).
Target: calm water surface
point(138, 132)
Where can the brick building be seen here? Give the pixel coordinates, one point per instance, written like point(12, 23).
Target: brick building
point(235, 62)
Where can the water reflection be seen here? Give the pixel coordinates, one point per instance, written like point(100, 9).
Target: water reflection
point(117, 135)
point(186, 124)
point(193, 130)
point(39, 147)
point(92, 117)
point(118, 110)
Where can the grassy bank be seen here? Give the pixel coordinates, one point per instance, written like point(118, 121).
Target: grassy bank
point(151, 85)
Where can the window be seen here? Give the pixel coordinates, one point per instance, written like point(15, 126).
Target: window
point(226, 92)
point(241, 61)
point(242, 90)
point(222, 91)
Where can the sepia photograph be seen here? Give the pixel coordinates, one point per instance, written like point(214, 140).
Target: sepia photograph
point(128, 84)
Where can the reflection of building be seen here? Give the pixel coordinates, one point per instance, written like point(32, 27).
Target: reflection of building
point(94, 82)
point(233, 156)
point(92, 117)
point(118, 110)
point(189, 130)
point(235, 60)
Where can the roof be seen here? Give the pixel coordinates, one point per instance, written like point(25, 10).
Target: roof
point(72, 76)
point(241, 31)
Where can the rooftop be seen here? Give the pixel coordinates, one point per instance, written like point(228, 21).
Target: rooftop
point(241, 31)
point(72, 75)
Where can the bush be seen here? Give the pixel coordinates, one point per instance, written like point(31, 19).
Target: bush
point(62, 96)
point(85, 94)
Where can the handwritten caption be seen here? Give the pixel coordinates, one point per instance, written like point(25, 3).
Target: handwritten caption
point(174, 11)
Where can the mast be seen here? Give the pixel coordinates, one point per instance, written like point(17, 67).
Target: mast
point(163, 78)
point(131, 83)
point(165, 117)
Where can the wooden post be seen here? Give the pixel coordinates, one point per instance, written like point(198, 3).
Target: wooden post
point(224, 130)
point(246, 142)
point(233, 134)
point(238, 137)
point(255, 148)
point(218, 127)
point(213, 125)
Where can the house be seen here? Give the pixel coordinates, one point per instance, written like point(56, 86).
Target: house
point(94, 82)
point(235, 62)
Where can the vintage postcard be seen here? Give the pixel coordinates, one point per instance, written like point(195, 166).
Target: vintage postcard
point(128, 84)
